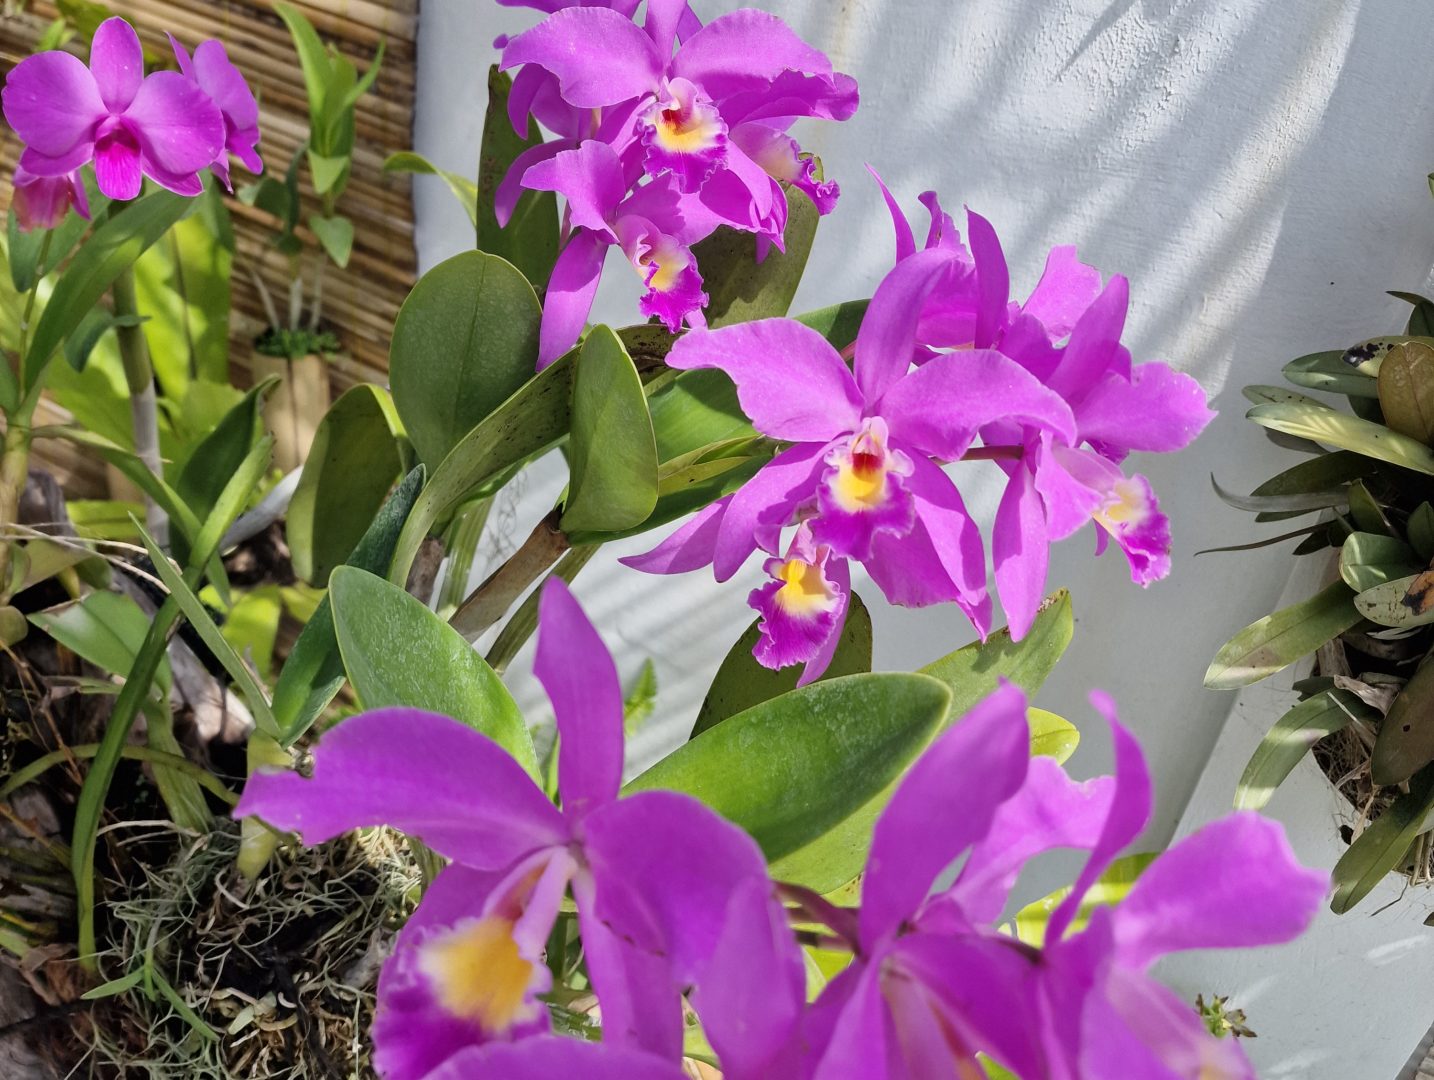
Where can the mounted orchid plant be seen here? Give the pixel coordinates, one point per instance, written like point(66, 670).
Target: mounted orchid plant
point(823, 879)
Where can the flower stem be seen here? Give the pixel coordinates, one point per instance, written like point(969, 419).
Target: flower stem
point(525, 620)
point(143, 405)
point(487, 603)
point(994, 453)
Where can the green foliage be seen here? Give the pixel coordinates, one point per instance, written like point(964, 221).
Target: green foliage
point(530, 239)
point(466, 339)
point(354, 461)
point(296, 344)
point(397, 652)
point(612, 450)
point(464, 189)
point(739, 287)
point(1384, 845)
point(1277, 641)
point(1293, 735)
point(791, 768)
point(104, 628)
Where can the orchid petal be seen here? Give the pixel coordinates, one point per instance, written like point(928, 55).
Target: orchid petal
point(424, 774)
point(790, 95)
point(762, 506)
point(571, 290)
point(1157, 409)
point(1067, 287)
point(599, 57)
point(528, 83)
point(930, 821)
point(909, 570)
point(38, 164)
point(1233, 884)
point(1094, 342)
point(1020, 551)
point(743, 50)
point(661, 23)
point(993, 279)
point(179, 128)
point(117, 61)
point(589, 178)
point(886, 342)
point(1129, 811)
point(791, 383)
point(52, 102)
point(547, 1056)
point(861, 1039)
point(839, 574)
point(940, 406)
point(1049, 811)
point(580, 678)
point(689, 548)
point(510, 188)
point(117, 169)
point(665, 867)
point(955, 537)
point(905, 241)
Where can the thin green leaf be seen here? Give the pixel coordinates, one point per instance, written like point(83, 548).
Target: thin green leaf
point(1384, 845)
point(530, 239)
point(1293, 736)
point(1328, 371)
point(1347, 433)
point(465, 190)
point(1278, 640)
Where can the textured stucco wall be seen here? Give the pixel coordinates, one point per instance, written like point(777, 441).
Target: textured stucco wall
point(1255, 167)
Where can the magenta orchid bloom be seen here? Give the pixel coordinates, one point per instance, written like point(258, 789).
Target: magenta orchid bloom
point(544, 1057)
point(162, 126)
point(933, 982)
point(653, 874)
point(655, 226)
point(41, 202)
point(710, 112)
point(1066, 334)
point(863, 468)
point(212, 71)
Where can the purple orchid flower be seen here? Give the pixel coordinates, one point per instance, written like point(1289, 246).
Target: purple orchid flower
point(655, 226)
point(1066, 334)
point(544, 1057)
point(162, 126)
point(211, 70)
point(41, 202)
point(933, 983)
point(708, 115)
point(862, 469)
point(654, 875)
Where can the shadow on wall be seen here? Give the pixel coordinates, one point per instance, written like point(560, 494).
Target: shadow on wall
point(1259, 175)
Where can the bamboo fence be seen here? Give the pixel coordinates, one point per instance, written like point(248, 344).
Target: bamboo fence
point(360, 302)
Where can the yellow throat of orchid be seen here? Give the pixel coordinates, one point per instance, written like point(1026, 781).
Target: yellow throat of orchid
point(860, 481)
point(478, 973)
point(1126, 506)
point(680, 130)
point(804, 590)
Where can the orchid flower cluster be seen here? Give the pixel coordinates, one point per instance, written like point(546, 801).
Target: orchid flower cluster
point(676, 911)
point(664, 133)
point(946, 368)
point(168, 126)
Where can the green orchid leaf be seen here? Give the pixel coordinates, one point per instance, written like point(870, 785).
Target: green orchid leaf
point(336, 234)
point(94, 326)
point(464, 190)
point(1384, 845)
point(1293, 736)
point(1276, 641)
point(612, 452)
point(1399, 602)
point(1280, 395)
point(791, 768)
point(1406, 390)
point(741, 682)
point(314, 672)
point(398, 652)
point(1328, 371)
point(970, 673)
point(105, 628)
point(353, 463)
point(1406, 737)
point(109, 251)
point(839, 323)
point(1110, 888)
point(1420, 531)
point(739, 287)
point(465, 341)
point(1347, 433)
point(530, 239)
point(1052, 736)
point(1369, 559)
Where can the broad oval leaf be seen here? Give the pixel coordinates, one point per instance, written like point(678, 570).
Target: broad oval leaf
point(314, 672)
point(353, 463)
point(110, 250)
point(1382, 847)
point(739, 287)
point(530, 239)
point(465, 341)
point(1052, 736)
point(612, 452)
point(1278, 640)
point(741, 682)
point(1328, 371)
point(789, 769)
point(839, 323)
point(1406, 737)
point(970, 673)
point(1291, 737)
point(1368, 559)
point(1406, 390)
point(1399, 602)
point(1346, 432)
point(398, 652)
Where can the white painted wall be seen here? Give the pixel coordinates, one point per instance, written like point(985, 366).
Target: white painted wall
point(1255, 167)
